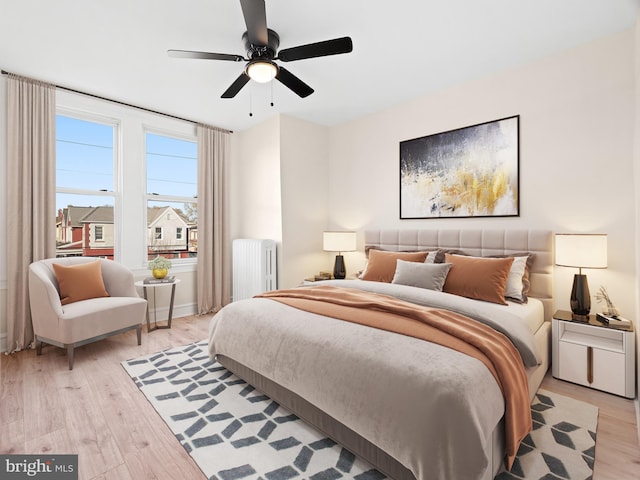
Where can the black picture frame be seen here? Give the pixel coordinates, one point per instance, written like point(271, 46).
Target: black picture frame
point(472, 171)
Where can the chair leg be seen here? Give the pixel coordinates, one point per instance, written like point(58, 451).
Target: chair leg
point(70, 356)
point(139, 334)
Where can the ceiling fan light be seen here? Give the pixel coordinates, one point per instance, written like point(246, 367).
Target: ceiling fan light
point(262, 71)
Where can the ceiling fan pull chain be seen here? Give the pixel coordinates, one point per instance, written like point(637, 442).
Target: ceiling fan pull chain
point(251, 102)
point(272, 94)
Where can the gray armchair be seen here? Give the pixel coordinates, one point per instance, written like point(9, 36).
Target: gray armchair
point(75, 324)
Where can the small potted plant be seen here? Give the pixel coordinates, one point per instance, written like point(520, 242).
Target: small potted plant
point(159, 266)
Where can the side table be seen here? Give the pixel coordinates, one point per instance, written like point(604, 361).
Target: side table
point(593, 354)
point(154, 286)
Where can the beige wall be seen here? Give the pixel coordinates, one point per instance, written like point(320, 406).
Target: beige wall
point(304, 177)
point(577, 114)
point(279, 191)
point(255, 182)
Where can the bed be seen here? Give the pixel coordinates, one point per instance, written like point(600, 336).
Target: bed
point(413, 409)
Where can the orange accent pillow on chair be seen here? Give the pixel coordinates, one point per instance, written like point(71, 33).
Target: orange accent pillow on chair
point(80, 282)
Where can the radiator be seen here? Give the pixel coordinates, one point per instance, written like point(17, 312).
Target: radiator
point(254, 267)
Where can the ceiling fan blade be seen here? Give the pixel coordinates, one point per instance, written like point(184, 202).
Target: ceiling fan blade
point(204, 55)
point(236, 86)
point(319, 49)
point(289, 80)
point(255, 16)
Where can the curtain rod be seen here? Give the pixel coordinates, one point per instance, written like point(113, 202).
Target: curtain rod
point(4, 72)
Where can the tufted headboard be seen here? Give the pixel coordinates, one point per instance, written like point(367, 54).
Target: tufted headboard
point(480, 242)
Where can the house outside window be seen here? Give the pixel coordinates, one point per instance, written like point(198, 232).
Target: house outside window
point(172, 173)
point(98, 233)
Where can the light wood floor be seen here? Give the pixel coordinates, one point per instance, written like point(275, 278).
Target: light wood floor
point(96, 411)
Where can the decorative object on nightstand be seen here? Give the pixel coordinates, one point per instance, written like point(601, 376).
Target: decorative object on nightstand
point(593, 353)
point(339, 242)
point(610, 310)
point(581, 251)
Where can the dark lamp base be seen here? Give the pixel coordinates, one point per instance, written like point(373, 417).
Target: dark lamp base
point(339, 270)
point(580, 297)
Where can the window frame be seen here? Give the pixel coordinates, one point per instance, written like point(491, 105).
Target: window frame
point(115, 194)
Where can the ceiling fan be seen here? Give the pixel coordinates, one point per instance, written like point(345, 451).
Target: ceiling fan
point(262, 45)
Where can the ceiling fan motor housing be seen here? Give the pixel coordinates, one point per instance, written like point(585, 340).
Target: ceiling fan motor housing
point(262, 51)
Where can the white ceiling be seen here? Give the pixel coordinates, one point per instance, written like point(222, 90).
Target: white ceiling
point(402, 49)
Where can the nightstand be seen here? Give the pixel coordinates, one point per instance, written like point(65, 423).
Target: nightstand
point(593, 354)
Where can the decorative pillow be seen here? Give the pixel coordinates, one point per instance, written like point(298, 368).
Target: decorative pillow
point(381, 266)
point(79, 282)
point(479, 278)
point(518, 283)
point(424, 275)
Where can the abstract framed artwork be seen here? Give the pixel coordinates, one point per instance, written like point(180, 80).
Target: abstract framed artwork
point(468, 172)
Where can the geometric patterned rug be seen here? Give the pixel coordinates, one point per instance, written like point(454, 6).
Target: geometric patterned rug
point(233, 431)
point(562, 443)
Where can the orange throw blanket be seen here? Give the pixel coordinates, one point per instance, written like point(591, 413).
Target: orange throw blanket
point(438, 326)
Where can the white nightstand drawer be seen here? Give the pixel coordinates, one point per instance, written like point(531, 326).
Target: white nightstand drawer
point(604, 371)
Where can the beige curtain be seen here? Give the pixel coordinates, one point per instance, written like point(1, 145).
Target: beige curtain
point(31, 186)
point(214, 263)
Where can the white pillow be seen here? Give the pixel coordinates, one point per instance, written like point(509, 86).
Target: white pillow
point(431, 257)
point(514, 286)
point(423, 275)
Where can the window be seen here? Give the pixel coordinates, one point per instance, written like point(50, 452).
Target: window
point(105, 182)
point(85, 189)
point(172, 172)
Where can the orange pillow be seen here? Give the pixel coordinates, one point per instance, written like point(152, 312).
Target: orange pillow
point(80, 282)
point(381, 266)
point(479, 278)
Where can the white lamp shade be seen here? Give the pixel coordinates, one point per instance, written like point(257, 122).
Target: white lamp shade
point(339, 241)
point(581, 250)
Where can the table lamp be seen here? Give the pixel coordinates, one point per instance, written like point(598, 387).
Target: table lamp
point(339, 242)
point(581, 251)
